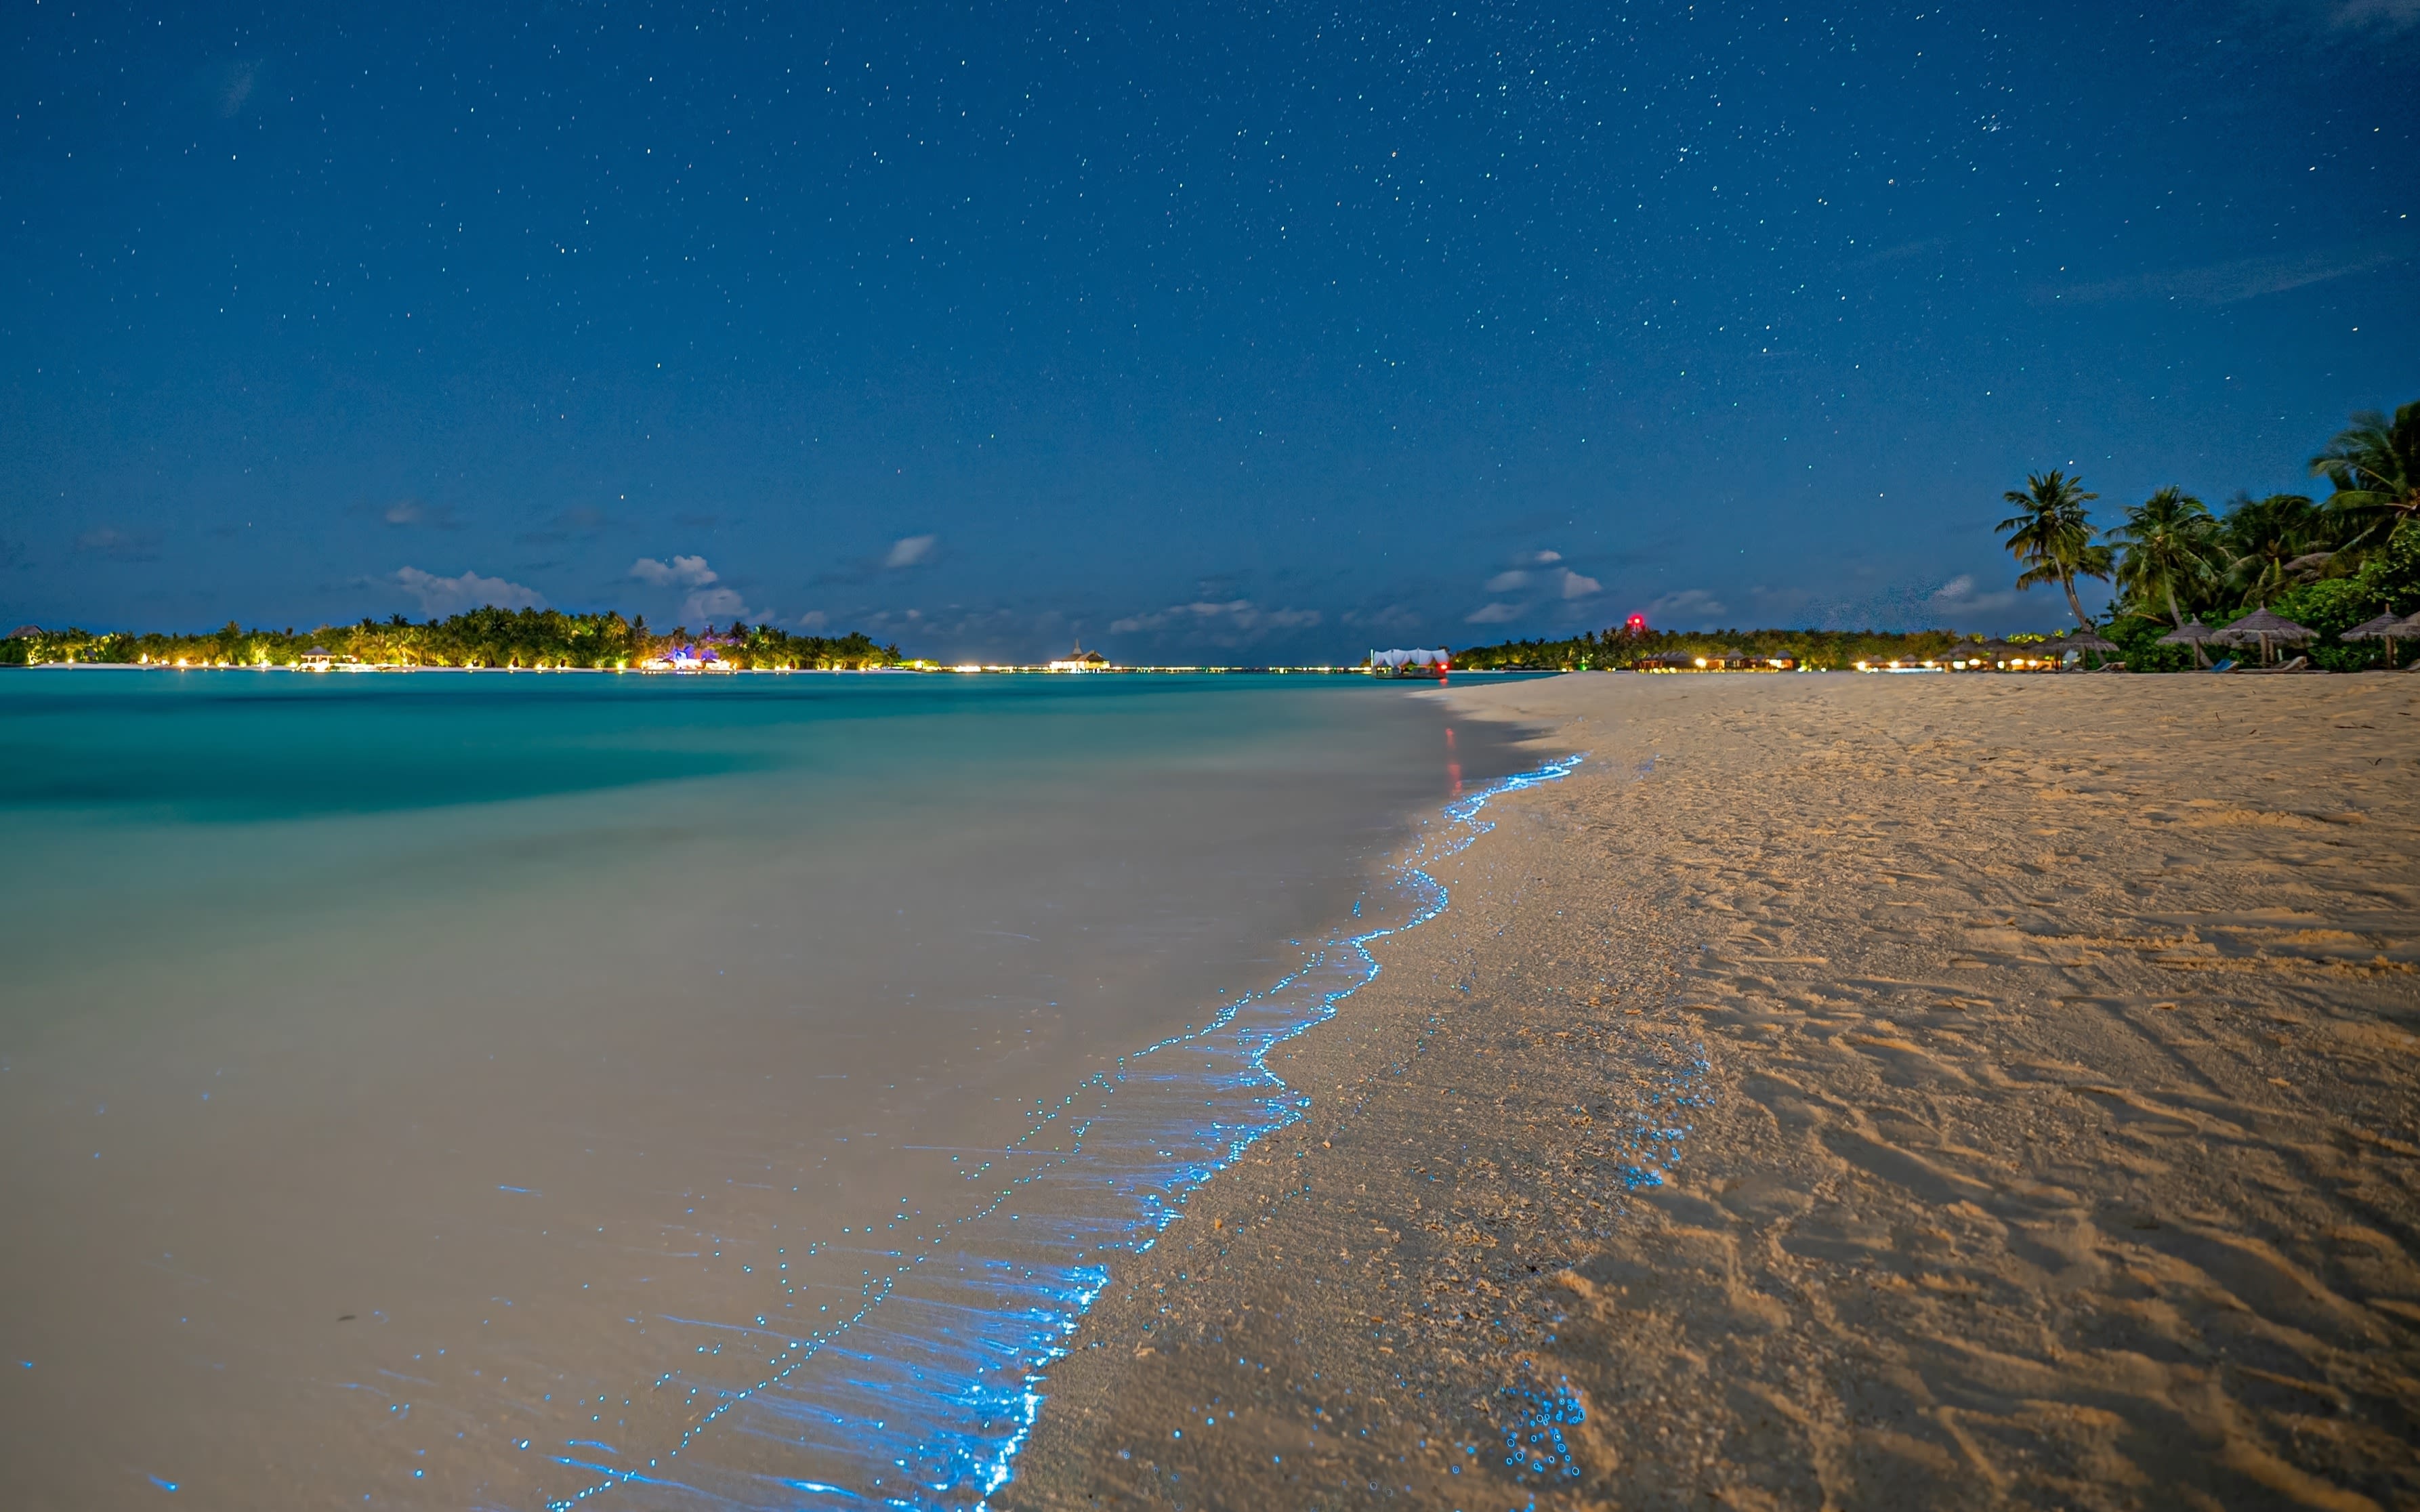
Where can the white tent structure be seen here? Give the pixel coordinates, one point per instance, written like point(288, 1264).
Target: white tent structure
point(1415, 663)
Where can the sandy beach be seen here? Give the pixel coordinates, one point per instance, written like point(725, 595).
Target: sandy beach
point(2041, 1053)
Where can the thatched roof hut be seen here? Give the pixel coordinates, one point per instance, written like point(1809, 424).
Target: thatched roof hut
point(2265, 629)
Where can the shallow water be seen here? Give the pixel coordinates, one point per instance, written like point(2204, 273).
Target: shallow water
point(522, 1091)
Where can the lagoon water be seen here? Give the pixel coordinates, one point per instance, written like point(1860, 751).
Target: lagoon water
point(528, 1091)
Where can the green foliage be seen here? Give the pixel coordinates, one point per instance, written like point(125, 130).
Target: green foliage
point(2374, 467)
point(2052, 535)
point(2169, 553)
point(1621, 647)
point(2331, 607)
point(2392, 573)
point(2137, 637)
point(480, 638)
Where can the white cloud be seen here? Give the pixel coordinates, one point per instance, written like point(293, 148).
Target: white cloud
point(1576, 586)
point(1504, 582)
point(1545, 559)
point(813, 620)
point(1491, 614)
point(716, 604)
point(1688, 604)
point(2242, 278)
point(908, 551)
point(1959, 594)
point(680, 572)
point(1233, 617)
point(451, 595)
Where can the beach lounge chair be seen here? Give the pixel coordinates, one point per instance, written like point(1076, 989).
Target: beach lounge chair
point(2298, 664)
point(2225, 664)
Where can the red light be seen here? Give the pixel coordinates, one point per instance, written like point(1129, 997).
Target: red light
point(1636, 622)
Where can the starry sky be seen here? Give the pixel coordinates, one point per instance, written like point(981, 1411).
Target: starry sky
point(1243, 332)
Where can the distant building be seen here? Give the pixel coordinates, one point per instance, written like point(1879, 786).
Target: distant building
point(24, 632)
point(1419, 663)
point(1082, 660)
point(318, 659)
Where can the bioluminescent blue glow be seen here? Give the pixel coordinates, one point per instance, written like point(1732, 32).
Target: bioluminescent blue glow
point(526, 1091)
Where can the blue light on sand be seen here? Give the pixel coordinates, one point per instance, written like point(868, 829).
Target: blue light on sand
point(931, 1378)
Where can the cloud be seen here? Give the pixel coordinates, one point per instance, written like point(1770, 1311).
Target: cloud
point(404, 514)
point(716, 604)
point(908, 551)
point(1959, 594)
point(2244, 278)
point(119, 546)
point(1504, 582)
point(451, 595)
point(680, 572)
point(1576, 586)
point(1492, 614)
point(1545, 559)
point(1236, 617)
point(1688, 604)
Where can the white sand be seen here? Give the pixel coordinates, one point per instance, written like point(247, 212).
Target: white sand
point(2061, 1144)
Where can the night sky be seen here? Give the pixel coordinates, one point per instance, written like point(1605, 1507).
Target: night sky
point(1228, 332)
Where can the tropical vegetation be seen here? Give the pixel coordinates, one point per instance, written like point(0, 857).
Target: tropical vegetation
point(1625, 646)
point(481, 638)
point(2328, 564)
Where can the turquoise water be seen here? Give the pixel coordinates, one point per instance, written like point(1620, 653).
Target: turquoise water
point(530, 1091)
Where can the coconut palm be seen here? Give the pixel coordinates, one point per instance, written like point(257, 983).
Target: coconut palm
point(2271, 544)
point(2375, 466)
point(2053, 536)
point(2168, 543)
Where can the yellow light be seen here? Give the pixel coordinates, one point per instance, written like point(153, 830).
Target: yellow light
point(1701, 661)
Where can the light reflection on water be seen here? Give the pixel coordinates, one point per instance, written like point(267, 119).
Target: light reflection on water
point(644, 1098)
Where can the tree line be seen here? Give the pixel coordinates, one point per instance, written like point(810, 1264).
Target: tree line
point(2326, 563)
point(487, 637)
point(1623, 646)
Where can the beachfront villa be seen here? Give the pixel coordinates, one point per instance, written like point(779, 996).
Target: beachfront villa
point(317, 659)
point(1082, 660)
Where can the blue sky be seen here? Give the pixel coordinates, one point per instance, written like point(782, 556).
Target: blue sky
point(1251, 333)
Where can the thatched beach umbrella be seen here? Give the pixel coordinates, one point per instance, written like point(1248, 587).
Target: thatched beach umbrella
point(2387, 627)
point(2265, 629)
point(2191, 633)
point(1996, 651)
point(2083, 641)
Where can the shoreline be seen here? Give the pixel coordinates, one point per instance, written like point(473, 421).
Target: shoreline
point(2061, 1143)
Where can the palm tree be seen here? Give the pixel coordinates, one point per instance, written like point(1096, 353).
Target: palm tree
point(2270, 543)
point(2374, 467)
point(2052, 537)
point(2168, 543)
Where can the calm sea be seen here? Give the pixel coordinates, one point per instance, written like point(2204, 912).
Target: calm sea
point(529, 1091)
